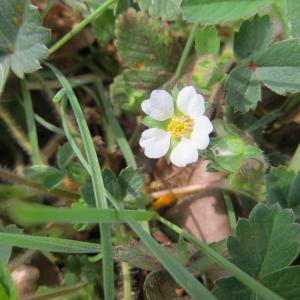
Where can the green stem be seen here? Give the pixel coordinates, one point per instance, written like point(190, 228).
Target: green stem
point(17, 132)
point(97, 181)
point(230, 211)
point(32, 133)
point(243, 277)
point(126, 281)
point(90, 18)
point(186, 51)
point(295, 161)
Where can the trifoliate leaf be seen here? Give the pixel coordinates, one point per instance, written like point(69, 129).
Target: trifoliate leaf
point(293, 11)
point(220, 11)
point(243, 89)
point(112, 184)
point(22, 38)
point(279, 67)
point(148, 51)
point(253, 38)
point(65, 154)
point(207, 41)
point(283, 187)
point(161, 8)
point(260, 249)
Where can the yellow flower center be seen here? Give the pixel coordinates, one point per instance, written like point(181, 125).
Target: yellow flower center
point(180, 126)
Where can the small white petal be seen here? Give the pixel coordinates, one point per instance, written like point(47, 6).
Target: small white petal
point(199, 141)
point(203, 125)
point(190, 103)
point(160, 105)
point(156, 142)
point(184, 153)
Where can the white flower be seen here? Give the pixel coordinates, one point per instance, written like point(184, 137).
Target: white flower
point(183, 125)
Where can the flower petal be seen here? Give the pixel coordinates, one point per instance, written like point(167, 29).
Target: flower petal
point(199, 141)
point(203, 125)
point(184, 153)
point(190, 103)
point(160, 105)
point(156, 142)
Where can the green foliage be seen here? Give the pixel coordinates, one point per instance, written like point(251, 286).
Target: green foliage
point(7, 288)
point(126, 187)
point(22, 39)
point(220, 11)
point(49, 177)
point(207, 41)
point(293, 10)
point(259, 249)
point(64, 155)
point(149, 63)
point(6, 250)
point(253, 38)
point(161, 8)
point(235, 152)
point(283, 187)
point(277, 66)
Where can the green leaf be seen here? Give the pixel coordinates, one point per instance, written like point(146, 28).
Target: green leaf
point(279, 67)
point(149, 63)
point(243, 89)
point(253, 38)
point(111, 183)
point(5, 251)
point(7, 288)
point(220, 11)
point(52, 180)
point(293, 10)
point(42, 214)
point(161, 8)
point(104, 27)
point(48, 243)
point(283, 187)
point(22, 39)
point(285, 283)
point(207, 41)
point(260, 249)
point(65, 154)
point(131, 182)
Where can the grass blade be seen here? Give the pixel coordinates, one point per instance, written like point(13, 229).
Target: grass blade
point(97, 180)
point(42, 214)
point(47, 243)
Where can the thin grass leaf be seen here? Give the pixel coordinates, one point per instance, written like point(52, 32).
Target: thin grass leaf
point(48, 243)
point(42, 214)
point(48, 125)
point(98, 185)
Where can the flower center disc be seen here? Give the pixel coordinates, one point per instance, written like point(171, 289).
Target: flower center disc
point(180, 126)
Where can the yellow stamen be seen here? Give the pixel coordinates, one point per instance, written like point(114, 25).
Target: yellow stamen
point(180, 126)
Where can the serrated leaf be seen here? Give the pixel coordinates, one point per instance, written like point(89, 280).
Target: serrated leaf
point(161, 8)
point(207, 41)
point(22, 38)
point(260, 249)
point(253, 38)
point(111, 183)
point(285, 283)
point(283, 187)
point(243, 89)
point(279, 67)
point(147, 50)
point(293, 11)
point(220, 11)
